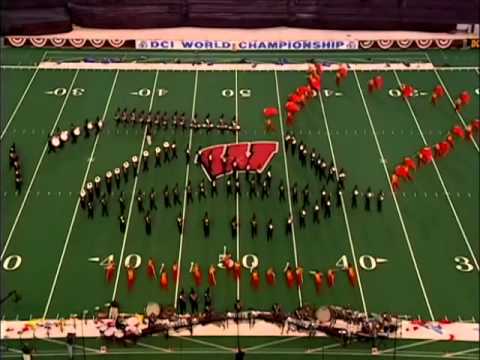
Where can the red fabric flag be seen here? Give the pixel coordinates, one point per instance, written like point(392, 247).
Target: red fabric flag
point(110, 271)
point(255, 278)
point(439, 91)
point(395, 182)
point(131, 277)
point(270, 111)
point(237, 270)
point(458, 131)
point(151, 269)
point(352, 276)
point(410, 163)
point(164, 280)
point(175, 272)
point(318, 278)
point(271, 276)
point(378, 82)
point(212, 275)
point(292, 107)
point(299, 275)
point(290, 277)
point(330, 278)
point(197, 274)
point(465, 97)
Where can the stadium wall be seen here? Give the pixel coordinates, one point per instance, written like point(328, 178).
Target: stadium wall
point(34, 17)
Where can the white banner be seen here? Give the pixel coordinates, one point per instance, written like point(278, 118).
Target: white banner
point(246, 45)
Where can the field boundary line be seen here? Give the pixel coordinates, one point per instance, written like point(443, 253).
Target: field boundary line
point(408, 346)
point(459, 115)
point(74, 216)
point(148, 346)
point(132, 197)
point(27, 88)
point(274, 342)
point(39, 163)
point(184, 209)
point(285, 163)
point(459, 223)
point(463, 352)
point(237, 200)
point(203, 342)
point(345, 216)
point(397, 206)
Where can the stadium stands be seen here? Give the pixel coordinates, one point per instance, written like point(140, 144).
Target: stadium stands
point(50, 16)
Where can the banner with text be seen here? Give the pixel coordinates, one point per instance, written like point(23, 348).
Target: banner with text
point(246, 45)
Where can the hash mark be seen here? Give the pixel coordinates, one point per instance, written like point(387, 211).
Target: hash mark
point(48, 193)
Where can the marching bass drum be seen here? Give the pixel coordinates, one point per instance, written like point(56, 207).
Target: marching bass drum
point(323, 314)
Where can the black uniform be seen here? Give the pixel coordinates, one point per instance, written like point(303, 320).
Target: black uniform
point(342, 176)
point(148, 223)
point(302, 217)
point(187, 154)
point(213, 188)
point(355, 194)
point(270, 229)
point(90, 210)
point(331, 173)
point(368, 197)
point(265, 191)
point(281, 191)
point(103, 202)
point(252, 190)
point(328, 208)
point(380, 198)
point(316, 213)
point(233, 227)
point(83, 200)
point(306, 196)
point(294, 193)
point(206, 225)
point(253, 226)
point(140, 196)
point(176, 196)
point(189, 192)
point(182, 302)
point(229, 187)
point(179, 223)
point(339, 195)
point(207, 300)
point(201, 191)
point(289, 224)
point(237, 188)
point(123, 224)
point(323, 196)
point(166, 197)
point(153, 202)
point(121, 201)
point(193, 298)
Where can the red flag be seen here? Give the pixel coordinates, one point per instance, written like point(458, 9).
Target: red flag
point(378, 82)
point(237, 270)
point(468, 132)
point(465, 97)
point(426, 155)
point(476, 124)
point(330, 278)
point(164, 280)
point(197, 274)
point(318, 278)
point(151, 269)
point(212, 275)
point(439, 91)
point(343, 71)
point(458, 131)
point(292, 107)
point(270, 111)
point(299, 275)
point(403, 171)
point(131, 277)
point(352, 276)
point(271, 276)
point(255, 278)
point(175, 272)
point(410, 163)
point(458, 105)
point(315, 82)
point(395, 182)
point(290, 277)
point(228, 262)
point(110, 271)
point(371, 86)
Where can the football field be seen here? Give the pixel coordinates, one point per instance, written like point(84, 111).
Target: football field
point(419, 256)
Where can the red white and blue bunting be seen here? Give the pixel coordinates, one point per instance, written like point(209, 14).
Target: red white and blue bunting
point(366, 44)
point(98, 43)
point(444, 44)
point(17, 41)
point(404, 44)
point(116, 43)
point(58, 42)
point(385, 44)
point(78, 43)
point(38, 42)
point(424, 44)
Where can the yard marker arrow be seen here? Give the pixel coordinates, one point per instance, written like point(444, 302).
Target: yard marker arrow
point(381, 260)
point(49, 92)
point(134, 93)
point(94, 259)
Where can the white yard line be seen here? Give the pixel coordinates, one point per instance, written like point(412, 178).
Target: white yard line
point(400, 216)
point(187, 173)
point(326, 347)
point(134, 190)
point(408, 346)
point(4, 131)
point(275, 342)
point(53, 341)
point(148, 346)
point(237, 200)
point(345, 216)
point(74, 216)
point(451, 100)
point(206, 343)
point(280, 113)
point(457, 219)
point(39, 163)
point(463, 352)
